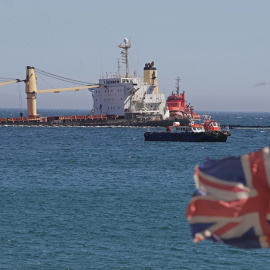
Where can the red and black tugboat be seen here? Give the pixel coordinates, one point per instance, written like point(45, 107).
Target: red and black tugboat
point(177, 105)
point(208, 131)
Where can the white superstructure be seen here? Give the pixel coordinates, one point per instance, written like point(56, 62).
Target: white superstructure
point(132, 97)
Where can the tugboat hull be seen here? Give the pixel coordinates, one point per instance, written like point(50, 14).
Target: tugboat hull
point(186, 137)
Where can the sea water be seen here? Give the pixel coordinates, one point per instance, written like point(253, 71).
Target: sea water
point(103, 198)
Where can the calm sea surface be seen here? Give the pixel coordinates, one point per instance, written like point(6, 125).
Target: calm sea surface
point(103, 198)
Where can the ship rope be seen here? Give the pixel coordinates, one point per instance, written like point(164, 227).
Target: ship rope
point(61, 78)
point(41, 76)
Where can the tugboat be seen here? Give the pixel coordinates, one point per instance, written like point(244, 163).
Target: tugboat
point(209, 131)
point(177, 105)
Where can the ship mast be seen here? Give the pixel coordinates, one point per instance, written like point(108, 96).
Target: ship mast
point(178, 85)
point(124, 52)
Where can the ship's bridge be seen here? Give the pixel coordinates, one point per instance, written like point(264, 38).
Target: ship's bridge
point(122, 80)
point(109, 81)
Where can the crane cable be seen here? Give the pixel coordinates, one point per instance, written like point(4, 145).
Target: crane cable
point(62, 78)
point(7, 79)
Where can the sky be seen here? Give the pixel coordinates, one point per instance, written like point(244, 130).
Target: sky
point(219, 49)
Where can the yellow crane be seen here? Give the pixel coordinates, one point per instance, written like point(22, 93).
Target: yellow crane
point(31, 90)
point(5, 83)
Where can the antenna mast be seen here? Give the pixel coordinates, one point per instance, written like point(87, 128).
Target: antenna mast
point(124, 52)
point(178, 85)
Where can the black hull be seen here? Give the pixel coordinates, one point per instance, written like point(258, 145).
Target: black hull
point(186, 137)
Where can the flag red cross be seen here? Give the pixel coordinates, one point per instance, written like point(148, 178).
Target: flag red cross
point(231, 204)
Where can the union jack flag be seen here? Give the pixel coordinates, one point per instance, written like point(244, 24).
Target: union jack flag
point(231, 203)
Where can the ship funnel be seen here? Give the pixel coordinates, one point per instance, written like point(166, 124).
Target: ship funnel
point(150, 76)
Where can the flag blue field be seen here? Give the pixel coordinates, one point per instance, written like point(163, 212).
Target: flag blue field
point(231, 203)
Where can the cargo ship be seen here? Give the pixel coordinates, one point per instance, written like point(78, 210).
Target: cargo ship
point(126, 100)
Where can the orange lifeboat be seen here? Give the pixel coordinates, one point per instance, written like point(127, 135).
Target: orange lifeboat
point(211, 125)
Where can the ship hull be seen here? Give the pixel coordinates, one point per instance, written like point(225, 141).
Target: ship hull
point(86, 120)
point(186, 137)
